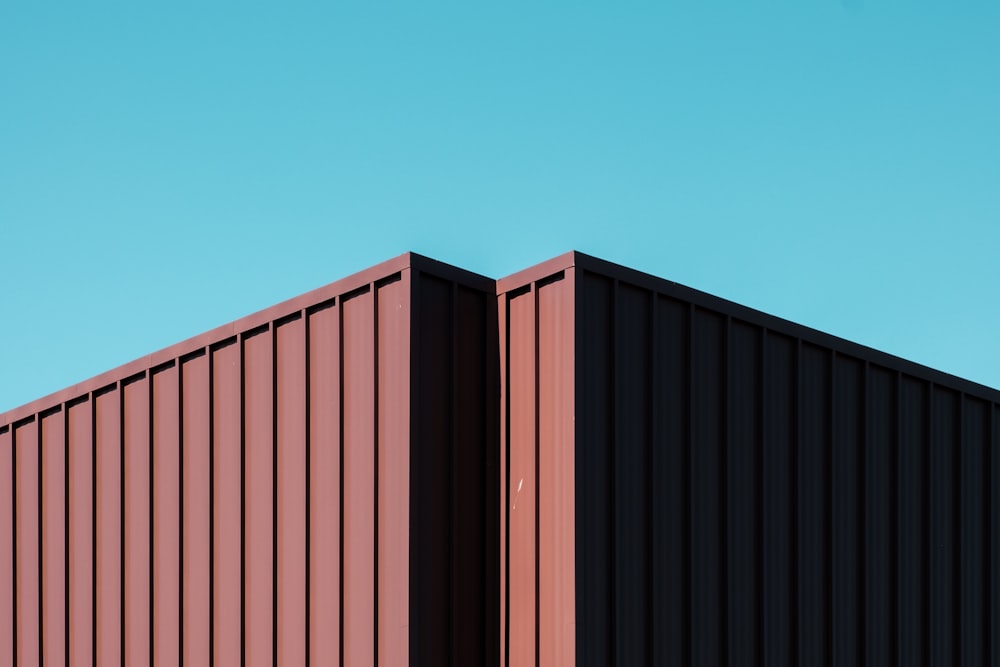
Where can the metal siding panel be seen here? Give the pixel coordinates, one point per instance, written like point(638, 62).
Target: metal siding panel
point(523, 491)
point(258, 498)
point(708, 561)
point(432, 474)
point(880, 481)
point(911, 522)
point(174, 493)
point(743, 494)
point(778, 510)
point(7, 629)
point(813, 506)
point(845, 484)
point(81, 533)
point(166, 518)
point(324, 487)
point(709, 302)
point(670, 625)
point(941, 562)
point(359, 481)
point(972, 567)
point(136, 445)
point(847, 616)
point(888, 527)
point(248, 323)
point(595, 433)
point(393, 432)
point(469, 521)
point(291, 493)
point(556, 574)
point(632, 382)
point(196, 510)
point(108, 547)
point(26, 543)
point(227, 503)
point(53, 535)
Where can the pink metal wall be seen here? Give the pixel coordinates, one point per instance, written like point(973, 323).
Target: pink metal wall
point(538, 572)
point(254, 495)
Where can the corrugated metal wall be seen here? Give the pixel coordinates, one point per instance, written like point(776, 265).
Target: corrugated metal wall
point(620, 471)
point(538, 569)
point(747, 491)
point(279, 491)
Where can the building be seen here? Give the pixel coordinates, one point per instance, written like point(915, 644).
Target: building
point(577, 464)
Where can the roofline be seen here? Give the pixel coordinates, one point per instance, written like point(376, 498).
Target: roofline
point(197, 343)
point(579, 260)
point(564, 262)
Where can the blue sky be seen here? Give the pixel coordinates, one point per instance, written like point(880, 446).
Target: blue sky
point(164, 170)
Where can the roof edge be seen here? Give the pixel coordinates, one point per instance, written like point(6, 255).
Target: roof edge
point(549, 267)
point(579, 260)
point(198, 342)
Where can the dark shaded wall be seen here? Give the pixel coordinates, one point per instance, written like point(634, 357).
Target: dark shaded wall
point(747, 491)
point(454, 474)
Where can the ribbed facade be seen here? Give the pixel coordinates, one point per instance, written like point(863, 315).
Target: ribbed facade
point(579, 464)
point(739, 489)
point(282, 490)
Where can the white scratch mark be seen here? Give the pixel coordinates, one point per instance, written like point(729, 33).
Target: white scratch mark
point(520, 485)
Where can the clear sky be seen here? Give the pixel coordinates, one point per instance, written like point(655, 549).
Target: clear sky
point(168, 167)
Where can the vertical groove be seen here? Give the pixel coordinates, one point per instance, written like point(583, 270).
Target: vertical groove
point(506, 490)
point(925, 512)
point(180, 513)
point(340, 426)
point(66, 464)
point(894, 473)
point(273, 329)
point(120, 387)
point(861, 514)
point(795, 435)
point(306, 326)
point(211, 510)
point(538, 476)
point(243, 500)
point(831, 439)
point(796, 444)
point(612, 473)
point(987, 535)
point(13, 490)
point(759, 493)
point(93, 532)
point(956, 540)
point(828, 509)
point(41, 547)
point(580, 310)
point(452, 425)
point(152, 504)
point(651, 437)
point(723, 473)
point(375, 439)
point(688, 491)
point(490, 520)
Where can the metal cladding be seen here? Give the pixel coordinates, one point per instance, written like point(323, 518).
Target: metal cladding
point(687, 481)
point(579, 464)
point(311, 484)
